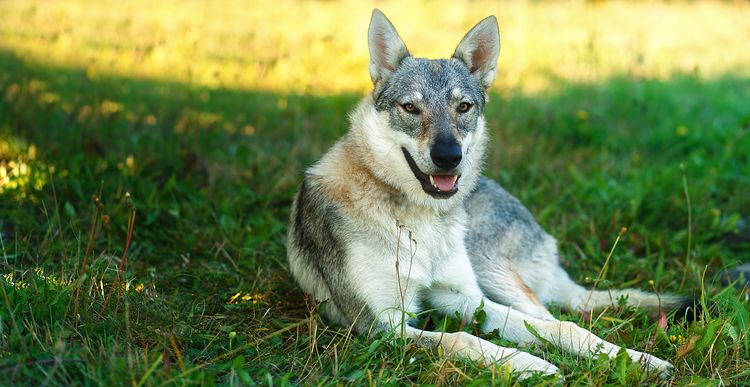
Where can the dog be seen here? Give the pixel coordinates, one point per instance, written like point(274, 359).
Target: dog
point(395, 219)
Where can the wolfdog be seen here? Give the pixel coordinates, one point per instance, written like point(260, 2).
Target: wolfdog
point(395, 219)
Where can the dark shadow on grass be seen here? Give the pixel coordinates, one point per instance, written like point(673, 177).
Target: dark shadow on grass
point(220, 159)
point(175, 148)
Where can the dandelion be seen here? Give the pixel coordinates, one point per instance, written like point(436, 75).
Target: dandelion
point(36, 85)
point(50, 98)
point(582, 115)
point(248, 130)
point(109, 107)
point(130, 163)
point(206, 119)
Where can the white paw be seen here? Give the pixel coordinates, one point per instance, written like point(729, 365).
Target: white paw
point(525, 364)
point(652, 363)
point(528, 365)
point(476, 349)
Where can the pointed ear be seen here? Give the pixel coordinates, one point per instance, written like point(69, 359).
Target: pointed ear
point(479, 50)
point(387, 50)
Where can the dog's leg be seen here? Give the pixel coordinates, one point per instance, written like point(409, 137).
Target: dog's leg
point(564, 334)
point(474, 348)
point(501, 283)
point(512, 326)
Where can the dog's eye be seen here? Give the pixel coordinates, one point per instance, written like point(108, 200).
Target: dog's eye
point(410, 108)
point(464, 107)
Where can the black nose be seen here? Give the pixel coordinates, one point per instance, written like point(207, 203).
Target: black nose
point(446, 154)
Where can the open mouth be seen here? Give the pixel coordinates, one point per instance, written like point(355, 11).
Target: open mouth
point(437, 186)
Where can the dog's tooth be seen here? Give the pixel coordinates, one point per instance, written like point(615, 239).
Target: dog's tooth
point(432, 181)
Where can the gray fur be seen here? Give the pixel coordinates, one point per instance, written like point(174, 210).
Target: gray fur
point(435, 81)
point(382, 227)
point(492, 213)
point(315, 232)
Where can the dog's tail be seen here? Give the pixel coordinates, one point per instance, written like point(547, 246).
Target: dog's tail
point(572, 296)
point(684, 307)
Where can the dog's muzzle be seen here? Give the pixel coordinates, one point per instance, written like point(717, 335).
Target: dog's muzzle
point(440, 186)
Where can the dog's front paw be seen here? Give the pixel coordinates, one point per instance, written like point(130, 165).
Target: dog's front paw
point(527, 365)
point(662, 367)
point(652, 363)
point(474, 348)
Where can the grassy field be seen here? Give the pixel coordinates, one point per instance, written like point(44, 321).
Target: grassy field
point(149, 154)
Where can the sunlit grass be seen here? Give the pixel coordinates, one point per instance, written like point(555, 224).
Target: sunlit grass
point(320, 48)
point(20, 172)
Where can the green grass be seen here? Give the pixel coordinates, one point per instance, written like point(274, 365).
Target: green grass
point(208, 171)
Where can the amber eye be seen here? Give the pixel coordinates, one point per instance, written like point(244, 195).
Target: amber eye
point(410, 108)
point(464, 107)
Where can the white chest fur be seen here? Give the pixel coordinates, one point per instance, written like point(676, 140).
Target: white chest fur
point(392, 261)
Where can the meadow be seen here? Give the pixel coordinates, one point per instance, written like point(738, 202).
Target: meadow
point(149, 152)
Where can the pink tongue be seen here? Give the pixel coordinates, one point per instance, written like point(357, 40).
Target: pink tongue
point(444, 183)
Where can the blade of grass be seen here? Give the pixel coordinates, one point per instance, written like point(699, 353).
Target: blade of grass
point(151, 369)
point(115, 283)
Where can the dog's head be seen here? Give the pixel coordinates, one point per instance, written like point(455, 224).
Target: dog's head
point(430, 111)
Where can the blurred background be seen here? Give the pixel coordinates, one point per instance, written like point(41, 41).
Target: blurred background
point(320, 47)
point(155, 147)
